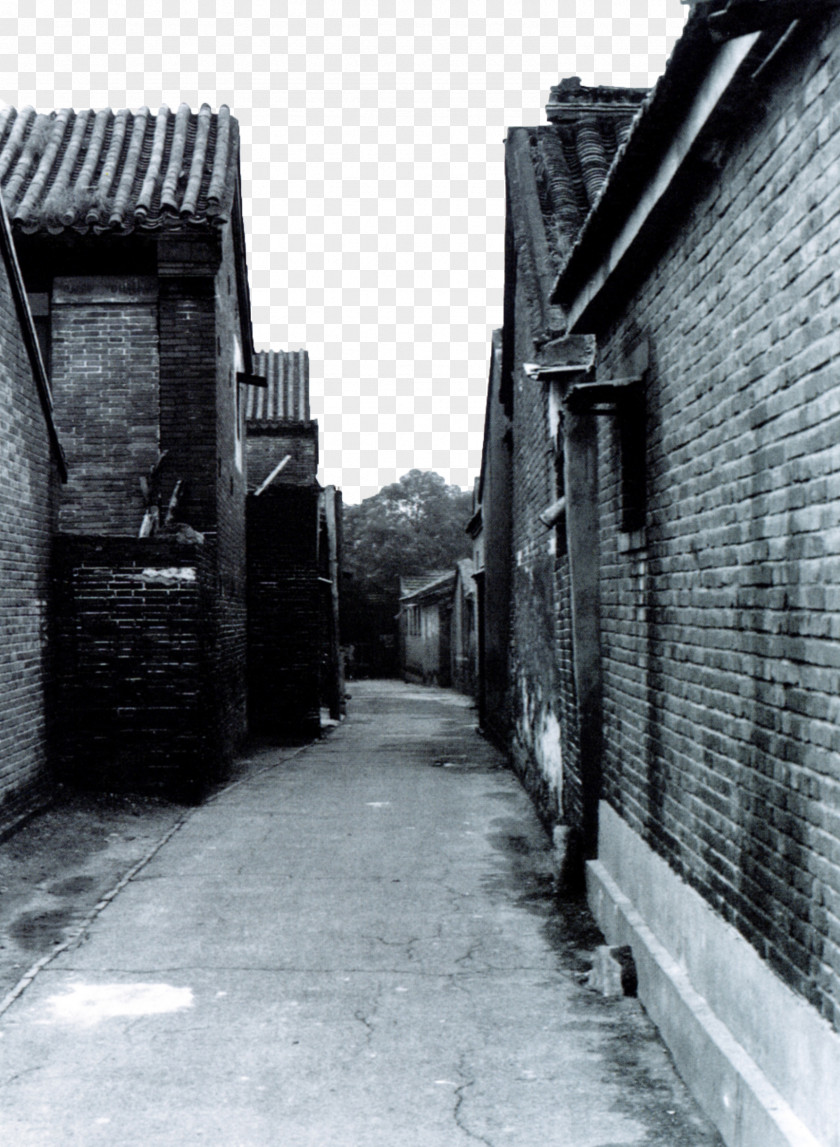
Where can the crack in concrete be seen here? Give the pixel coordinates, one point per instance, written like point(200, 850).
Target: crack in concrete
point(470, 955)
point(460, 1098)
point(20, 1074)
point(368, 1018)
point(362, 1018)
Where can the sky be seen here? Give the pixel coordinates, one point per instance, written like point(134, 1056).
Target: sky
point(373, 175)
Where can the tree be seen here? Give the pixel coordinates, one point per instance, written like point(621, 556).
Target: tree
point(410, 527)
point(413, 525)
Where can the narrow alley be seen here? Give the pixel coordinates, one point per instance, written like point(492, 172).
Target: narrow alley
point(357, 944)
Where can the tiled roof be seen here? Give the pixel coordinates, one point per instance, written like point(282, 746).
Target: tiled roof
point(286, 398)
point(118, 171)
point(572, 154)
point(651, 133)
point(417, 587)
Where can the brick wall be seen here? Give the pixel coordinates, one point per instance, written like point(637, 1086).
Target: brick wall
point(720, 635)
point(201, 426)
point(269, 445)
point(231, 489)
point(544, 718)
point(188, 353)
point(285, 647)
point(134, 693)
point(104, 372)
point(28, 510)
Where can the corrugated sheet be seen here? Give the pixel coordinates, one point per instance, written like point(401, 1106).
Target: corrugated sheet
point(286, 398)
point(118, 171)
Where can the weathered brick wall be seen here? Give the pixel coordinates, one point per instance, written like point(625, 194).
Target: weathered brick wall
point(134, 687)
point(188, 354)
point(720, 636)
point(269, 445)
point(544, 744)
point(202, 428)
point(284, 610)
point(104, 372)
point(28, 514)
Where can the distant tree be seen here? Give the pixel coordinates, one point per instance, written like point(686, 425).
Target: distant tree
point(413, 525)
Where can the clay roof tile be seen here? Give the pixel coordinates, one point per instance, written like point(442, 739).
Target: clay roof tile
point(118, 171)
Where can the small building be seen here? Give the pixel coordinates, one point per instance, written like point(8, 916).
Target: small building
point(32, 469)
point(295, 667)
point(425, 620)
point(128, 228)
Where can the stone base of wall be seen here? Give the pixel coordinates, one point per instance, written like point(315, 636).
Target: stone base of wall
point(134, 675)
point(760, 1061)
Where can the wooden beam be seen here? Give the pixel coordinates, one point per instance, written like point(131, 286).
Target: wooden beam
point(608, 393)
point(272, 475)
point(245, 379)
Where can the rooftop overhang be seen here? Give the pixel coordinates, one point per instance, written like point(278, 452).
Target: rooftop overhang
point(728, 19)
point(723, 50)
point(243, 289)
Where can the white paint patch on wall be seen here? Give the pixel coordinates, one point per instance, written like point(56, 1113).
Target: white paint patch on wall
point(87, 1004)
point(173, 574)
point(538, 730)
point(549, 753)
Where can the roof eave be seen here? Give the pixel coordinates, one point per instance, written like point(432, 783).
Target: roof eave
point(242, 286)
point(699, 74)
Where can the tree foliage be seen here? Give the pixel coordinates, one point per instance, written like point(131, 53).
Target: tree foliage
point(413, 525)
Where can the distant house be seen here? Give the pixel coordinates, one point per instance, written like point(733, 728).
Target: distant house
point(129, 231)
point(295, 667)
point(32, 468)
point(425, 620)
point(670, 353)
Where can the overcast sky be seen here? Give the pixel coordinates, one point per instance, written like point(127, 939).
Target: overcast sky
point(372, 164)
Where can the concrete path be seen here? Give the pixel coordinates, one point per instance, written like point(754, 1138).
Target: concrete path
point(357, 947)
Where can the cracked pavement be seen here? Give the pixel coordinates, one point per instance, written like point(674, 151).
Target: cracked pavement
point(357, 947)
